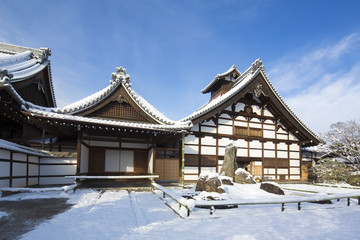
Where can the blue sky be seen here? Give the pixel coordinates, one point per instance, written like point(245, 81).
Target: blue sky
point(173, 49)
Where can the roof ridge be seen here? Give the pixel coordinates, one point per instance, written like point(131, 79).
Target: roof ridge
point(218, 76)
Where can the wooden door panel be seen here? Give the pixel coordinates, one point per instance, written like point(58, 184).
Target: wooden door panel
point(96, 160)
point(140, 162)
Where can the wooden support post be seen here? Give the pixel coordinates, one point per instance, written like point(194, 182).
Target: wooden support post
point(179, 206)
point(163, 195)
point(188, 212)
point(283, 207)
point(182, 158)
point(359, 201)
point(348, 201)
point(211, 210)
point(299, 206)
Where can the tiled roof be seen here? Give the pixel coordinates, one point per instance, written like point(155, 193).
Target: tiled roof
point(219, 76)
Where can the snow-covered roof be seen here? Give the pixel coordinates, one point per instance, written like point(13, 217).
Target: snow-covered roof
point(22, 149)
point(242, 81)
point(175, 126)
point(118, 78)
point(232, 69)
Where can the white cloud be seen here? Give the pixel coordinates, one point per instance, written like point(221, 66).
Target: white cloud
point(323, 86)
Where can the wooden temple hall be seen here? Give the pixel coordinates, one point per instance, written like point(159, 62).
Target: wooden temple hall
point(115, 135)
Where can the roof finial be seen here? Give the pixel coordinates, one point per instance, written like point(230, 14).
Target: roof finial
point(257, 64)
point(5, 76)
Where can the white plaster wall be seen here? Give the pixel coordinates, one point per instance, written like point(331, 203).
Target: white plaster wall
point(33, 181)
point(255, 144)
point(19, 169)
point(112, 160)
point(57, 160)
point(4, 169)
point(4, 154)
point(208, 169)
point(255, 125)
point(19, 157)
point(224, 142)
point(194, 170)
point(294, 155)
point(34, 159)
point(282, 146)
point(208, 141)
point(190, 177)
point(292, 137)
point(269, 127)
point(58, 170)
point(195, 128)
point(240, 124)
point(282, 131)
point(269, 134)
point(84, 159)
point(258, 163)
point(4, 183)
point(269, 154)
point(221, 151)
point(267, 113)
point(282, 154)
point(191, 139)
point(225, 122)
point(191, 149)
point(255, 153)
point(208, 150)
point(294, 170)
point(294, 147)
point(280, 136)
point(19, 182)
point(126, 161)
point(282, 171)
point(242, 143)
point(208, 129)
point(55, 180)
point(240, 118)
point(269, 145)
point(225, 130)
point(242, 152)
point(33, 170)
point(292, 177)
point(294, 163)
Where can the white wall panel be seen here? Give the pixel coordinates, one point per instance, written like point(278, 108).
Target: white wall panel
point(208, 150)
point(112, 160)
point(191, 170)
point(258, 163)
point(226, 122)
point(281, 131)
point(208, 141)
point(191, 149)
point(294, 147)
point(57, 169)
point(269, 145)
point(208, 129)
point(33, 181)
point(280, 136)
point(294, 155)
point(282, 154)
point(242, 152)
point(19, 169)
point(294, 163)
point(4, 183)
point(221, 151)
point(34, 159)
point(225, 130)
point(282, 146)
point(195, 128)
point(294, 170)
point(55, 180)
point(255, 125)
point(209, 123)
point(190, 177)
point(269, 153)
point(255, 153)
point(292, 177)
point(19, 157)
point(4, 169)
point(255, 144)
point(267, 113)
point(240, 124)
point(4, 154)
point(19, 182)
point(126, 161)
point(292, 137)
point(208, 169)
point(240, 118)
point(269, 134)
point(33, 170)
point(224, 142)
point(58, 160)
point(191, 139)
point(269, 127)
point(282, 171)
point(242, 143)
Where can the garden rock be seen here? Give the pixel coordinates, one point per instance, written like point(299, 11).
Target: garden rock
point(272, 188)
point(244, 177)
point(229, 165)
point(209, 183)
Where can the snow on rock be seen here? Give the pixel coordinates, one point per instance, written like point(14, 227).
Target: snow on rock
point(209, 182)
point(242, 176)
point(272, 188)
point(3, 214)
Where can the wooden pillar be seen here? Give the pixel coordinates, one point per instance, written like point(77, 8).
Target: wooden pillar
point(78, 159)
point(27, 170)
point(11, 170)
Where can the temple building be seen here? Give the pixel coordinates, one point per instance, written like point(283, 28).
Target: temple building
point(116, 134)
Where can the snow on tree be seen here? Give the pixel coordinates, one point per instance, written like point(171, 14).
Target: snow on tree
point(330, 170)
point(343, 141)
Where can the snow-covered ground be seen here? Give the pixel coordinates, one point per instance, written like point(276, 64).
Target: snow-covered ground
point(143, 215)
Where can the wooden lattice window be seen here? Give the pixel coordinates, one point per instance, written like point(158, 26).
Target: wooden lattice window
point(191, 160)
point(283, 163)
point(119, 111)
point(208, 161)
point(244, 131)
